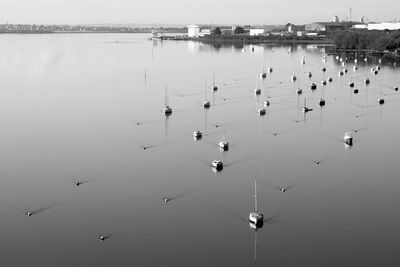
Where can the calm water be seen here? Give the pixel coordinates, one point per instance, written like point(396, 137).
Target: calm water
point(69, 108)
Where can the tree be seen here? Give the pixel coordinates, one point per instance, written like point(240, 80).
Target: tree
point(238, 30)
point(216, 31)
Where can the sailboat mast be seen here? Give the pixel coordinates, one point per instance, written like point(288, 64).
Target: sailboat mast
point(205, 90)
point(166, 96)
point(213, 79)
point(255, 193)
point(262, 61)
point(255, 246)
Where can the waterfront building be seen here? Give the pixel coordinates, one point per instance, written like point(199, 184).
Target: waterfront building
point(193, 31)
point(254, 32)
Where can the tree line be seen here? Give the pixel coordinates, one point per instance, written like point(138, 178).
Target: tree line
point(371, 40)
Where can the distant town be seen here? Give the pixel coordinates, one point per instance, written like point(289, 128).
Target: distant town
point(43, 29)
point(345, 34)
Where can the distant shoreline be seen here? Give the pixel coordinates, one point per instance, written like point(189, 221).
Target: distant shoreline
point(242, 40)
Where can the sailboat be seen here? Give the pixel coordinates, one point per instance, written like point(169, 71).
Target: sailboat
point(223, 144)
point(305, 108)
point(206, 103)
point(167, 108)
point(263, 75)
point(256, 218)
point(215, 88)
point(303, 60)
point(257, 91)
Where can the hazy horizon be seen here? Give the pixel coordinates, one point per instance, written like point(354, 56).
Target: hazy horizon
point(183, 12)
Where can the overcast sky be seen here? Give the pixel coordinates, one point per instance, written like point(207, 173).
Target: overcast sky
point(189, 11)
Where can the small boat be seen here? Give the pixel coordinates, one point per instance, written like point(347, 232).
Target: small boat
point(313, 86)
point(309, 75)
point(261, 112)
point(323, 69)
point(223, 144)
point(206, 104)
point(270, 70)
point(367, 81)
point(323, 82)
point(351, 85)
point(355, 91)
point(340, 73)
point(266, 103)
point(167, 110)
point(197, 135)
point(348, 139)
point(299, 91)
point(381, 101)
point(396, 88)
point(294, 78)
point(330, 79)
point(355, 68)
point(217, 165)
point(321, 102)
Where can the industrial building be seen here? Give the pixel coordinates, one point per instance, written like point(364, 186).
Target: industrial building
point(391, 26)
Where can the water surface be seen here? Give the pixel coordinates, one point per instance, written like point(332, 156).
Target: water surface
point(70, 106)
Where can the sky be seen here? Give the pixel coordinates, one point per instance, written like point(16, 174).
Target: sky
point(189, 11)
